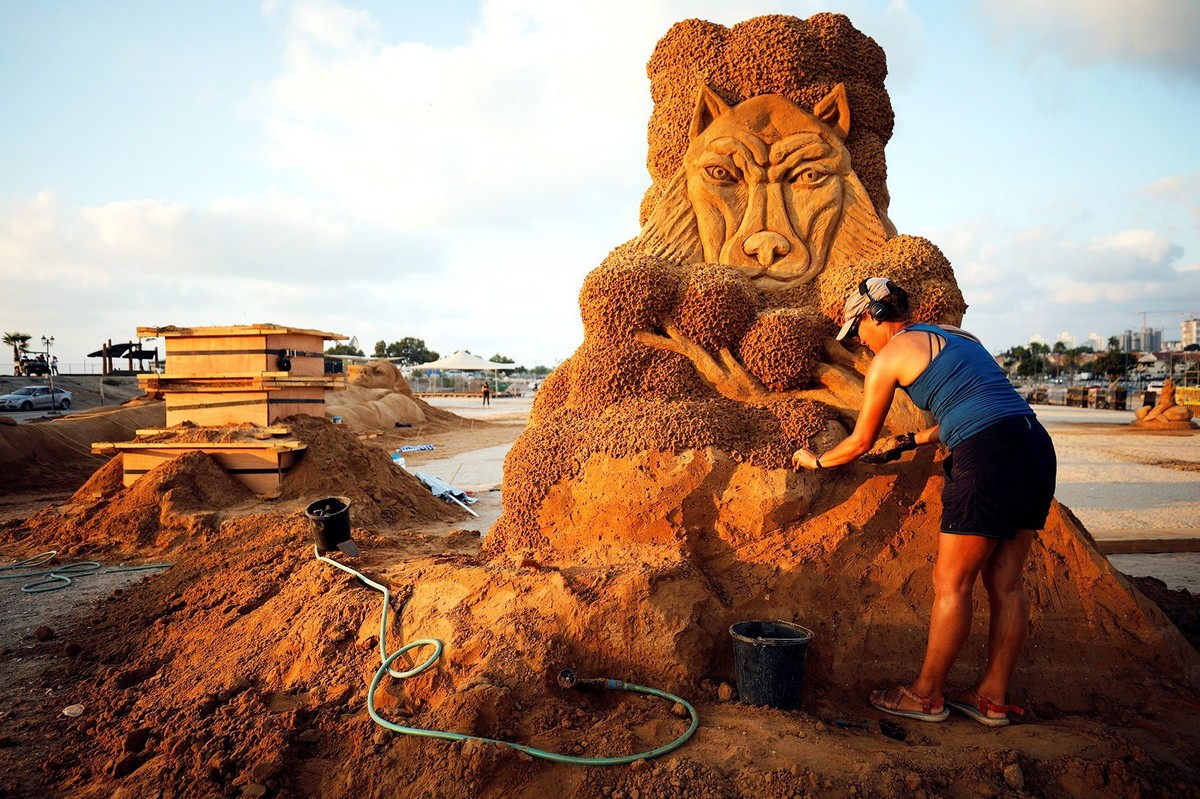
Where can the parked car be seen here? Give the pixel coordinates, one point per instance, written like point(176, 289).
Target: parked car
point(28, 398)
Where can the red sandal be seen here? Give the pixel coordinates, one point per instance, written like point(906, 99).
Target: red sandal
point(889, 702)
point(981, 707)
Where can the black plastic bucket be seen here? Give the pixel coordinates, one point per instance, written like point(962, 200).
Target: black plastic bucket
point(330, 519)
point(768, 662)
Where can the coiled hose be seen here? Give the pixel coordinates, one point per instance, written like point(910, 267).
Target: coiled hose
point(385, 668)
point(62, 575)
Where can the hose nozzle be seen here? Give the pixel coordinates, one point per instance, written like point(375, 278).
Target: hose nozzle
point(567, 678)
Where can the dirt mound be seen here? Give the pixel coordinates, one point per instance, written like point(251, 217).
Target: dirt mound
point(179, 501)
point(190, 680)
point(1181, 606)
point(184, 500)
point(56, 455)
point(244, 670)
point(337, 463)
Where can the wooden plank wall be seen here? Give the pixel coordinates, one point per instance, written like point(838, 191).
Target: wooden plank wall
point(216, 409)
point(259, 469)
point(260, 407)
point(308, 400)
point(305, 366)
point(242, 355)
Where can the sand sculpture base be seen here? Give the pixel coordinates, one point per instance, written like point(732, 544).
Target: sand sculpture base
point(648, 584)
point(1164, 424)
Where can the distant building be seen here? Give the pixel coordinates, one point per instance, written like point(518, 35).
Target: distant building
point(1190, 332)
point(1097, 343)
point(1140, 341)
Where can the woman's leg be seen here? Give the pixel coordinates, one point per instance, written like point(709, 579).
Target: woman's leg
point(1003, 576)
point(959, 561)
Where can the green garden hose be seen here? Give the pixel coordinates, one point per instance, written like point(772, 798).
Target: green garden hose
point(61, 576)
point(385, 667)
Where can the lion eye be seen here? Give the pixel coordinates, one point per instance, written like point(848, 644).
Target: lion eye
point(808, 175)
point(720, 174)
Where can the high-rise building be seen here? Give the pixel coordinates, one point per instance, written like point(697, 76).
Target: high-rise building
point(1190, 332)
point(1140, 340)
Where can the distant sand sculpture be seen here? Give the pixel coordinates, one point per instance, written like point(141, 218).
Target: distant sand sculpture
point(378, 397)
point(1165, 414)
point(657, 454)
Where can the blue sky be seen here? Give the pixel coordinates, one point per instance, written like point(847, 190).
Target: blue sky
point(382, 169)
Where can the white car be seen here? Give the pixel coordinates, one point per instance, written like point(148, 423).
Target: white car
point(28, 398)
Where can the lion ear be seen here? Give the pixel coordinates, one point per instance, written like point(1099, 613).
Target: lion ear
point(708, 107)
point(834, 110)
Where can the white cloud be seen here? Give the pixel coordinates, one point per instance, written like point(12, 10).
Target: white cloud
point(513, 124)
point(1018, 280)
point(1158, 34)
point(1131, 255)
point(545, 98)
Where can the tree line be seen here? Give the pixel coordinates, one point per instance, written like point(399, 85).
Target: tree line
point(1035, 360)
point(410, 351)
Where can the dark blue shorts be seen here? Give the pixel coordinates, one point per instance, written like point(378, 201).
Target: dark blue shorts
point(1000, 480)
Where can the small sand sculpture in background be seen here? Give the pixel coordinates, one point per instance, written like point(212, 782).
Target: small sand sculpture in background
point(1165, 413)
point(377, 398)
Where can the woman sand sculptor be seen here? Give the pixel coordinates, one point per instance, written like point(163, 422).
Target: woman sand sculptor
point(1001, 476)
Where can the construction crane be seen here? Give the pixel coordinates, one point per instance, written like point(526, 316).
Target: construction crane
point(1190, 314)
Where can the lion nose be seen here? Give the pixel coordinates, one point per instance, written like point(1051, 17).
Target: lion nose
point(767, 246)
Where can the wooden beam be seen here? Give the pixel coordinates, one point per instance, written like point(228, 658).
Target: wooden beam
point(1147, 546)
point(173, 331)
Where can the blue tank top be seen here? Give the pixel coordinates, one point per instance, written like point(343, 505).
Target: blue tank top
point(963, 388)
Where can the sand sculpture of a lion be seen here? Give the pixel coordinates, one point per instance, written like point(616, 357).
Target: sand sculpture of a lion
point(712, 330)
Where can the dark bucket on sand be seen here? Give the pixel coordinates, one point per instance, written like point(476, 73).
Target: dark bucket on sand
point(768, 662)
point(330, 519)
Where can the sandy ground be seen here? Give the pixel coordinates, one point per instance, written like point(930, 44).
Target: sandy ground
point(138, 705)
point(1125, 483)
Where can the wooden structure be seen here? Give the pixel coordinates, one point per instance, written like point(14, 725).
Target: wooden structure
point(260, 465)
point(245, 373)
point(227, 377)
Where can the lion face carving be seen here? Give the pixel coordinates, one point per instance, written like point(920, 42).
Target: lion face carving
point(767, 187)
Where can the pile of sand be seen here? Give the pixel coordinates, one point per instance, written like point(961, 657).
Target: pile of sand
point(177, 502)
point(55, 456)
point(337, 463)
point(243, 670)
point(184, 501)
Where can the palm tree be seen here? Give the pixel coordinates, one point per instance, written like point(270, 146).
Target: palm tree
point(20, 344)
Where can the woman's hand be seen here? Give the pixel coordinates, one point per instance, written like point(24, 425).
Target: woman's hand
point(804, 459)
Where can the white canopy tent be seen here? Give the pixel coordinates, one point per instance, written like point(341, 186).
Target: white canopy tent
point(465, 362)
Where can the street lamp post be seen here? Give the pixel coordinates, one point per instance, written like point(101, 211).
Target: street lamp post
point(46, 344)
